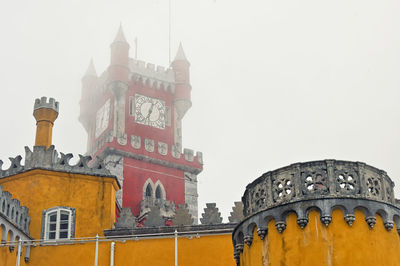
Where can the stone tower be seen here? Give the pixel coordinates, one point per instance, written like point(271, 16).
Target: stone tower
point(319, 213)
point(133, 115)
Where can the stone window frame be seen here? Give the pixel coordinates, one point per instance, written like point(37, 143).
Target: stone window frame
point(154, 187)
point(58, 210)
point(148, 182)
point(157, 185)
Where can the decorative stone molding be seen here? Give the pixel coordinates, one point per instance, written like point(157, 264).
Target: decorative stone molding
point(390, 214)
point(237, 212)
point(42, 103)
point(322, 186)
point(189, 154)
point(176, 152)
point(154, 218)
point(162, 148)
point(317, 179)
point(126, 219)
point(211, 215)
point(167, 209)
point(149, 145)
point(49, 160)
point(182, 216)
point(141, 157)
point(122, 140)
point(136, 142)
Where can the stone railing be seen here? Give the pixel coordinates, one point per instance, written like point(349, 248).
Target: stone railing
point(318, 185)
point(316, 180)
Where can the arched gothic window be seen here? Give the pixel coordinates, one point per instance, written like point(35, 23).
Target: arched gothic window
point(149, 191)
point(159, 194)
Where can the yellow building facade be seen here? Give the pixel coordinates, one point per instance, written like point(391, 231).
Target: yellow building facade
point(56, 213)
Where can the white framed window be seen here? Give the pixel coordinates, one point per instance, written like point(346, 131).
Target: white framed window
point(58, 223)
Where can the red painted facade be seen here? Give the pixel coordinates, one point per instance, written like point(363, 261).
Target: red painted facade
point(125, 78)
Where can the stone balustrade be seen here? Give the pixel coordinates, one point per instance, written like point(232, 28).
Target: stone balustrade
point(317, 180)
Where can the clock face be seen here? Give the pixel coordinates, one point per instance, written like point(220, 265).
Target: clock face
point(149, 111)
point(102, 118)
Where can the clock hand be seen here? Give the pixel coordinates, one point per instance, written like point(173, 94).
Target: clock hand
point(150, 111)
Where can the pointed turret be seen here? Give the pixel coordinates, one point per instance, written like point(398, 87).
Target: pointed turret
point(91, 71)
point(120, 35)
point(119, 61)
point(180, 55)
point(181, 65)
point(89, 83)
point(118, 80)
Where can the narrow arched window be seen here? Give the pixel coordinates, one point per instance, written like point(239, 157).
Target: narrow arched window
point(159, 194)
point(149, 191)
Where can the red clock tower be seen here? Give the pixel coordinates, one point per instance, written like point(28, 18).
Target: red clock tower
point(133, 114)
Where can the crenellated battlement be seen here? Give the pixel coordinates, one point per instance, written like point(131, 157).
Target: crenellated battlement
point(155, 76)
point(12, 210)
point(48, 159)
point(43, 103)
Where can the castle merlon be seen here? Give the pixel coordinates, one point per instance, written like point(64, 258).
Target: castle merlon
point(151, 71)
point(18, 217)
point(49, 159)
point(43, 103)
point(45, 114)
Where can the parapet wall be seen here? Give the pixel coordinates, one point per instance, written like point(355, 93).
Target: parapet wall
point(321, 186)
point(49, 159)
point(155, 76)
point(318, 179)
point(13, 212)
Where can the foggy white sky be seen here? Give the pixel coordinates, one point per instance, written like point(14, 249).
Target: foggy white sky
point(274, 82)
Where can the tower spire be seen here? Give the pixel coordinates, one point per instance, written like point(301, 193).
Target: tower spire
point(91, 71)
point(180, 55)
point(120, 35)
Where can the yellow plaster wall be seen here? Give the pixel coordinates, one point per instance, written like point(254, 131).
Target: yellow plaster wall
point(337, 244)
point(45, 118)
point(251, 255)
point(93, 198)
point(213, 250)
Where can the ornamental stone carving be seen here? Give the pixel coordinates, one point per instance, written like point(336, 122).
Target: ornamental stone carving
point(175, 152)
point(162, 148)
point(149, 145)
point(49, 159)
point(318, 185)
point(135, 142)
point(347, 182)
point(317, 179)
point(282, 188)
point(373, 187)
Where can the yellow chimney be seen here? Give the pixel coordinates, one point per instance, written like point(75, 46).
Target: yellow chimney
point(45, 114)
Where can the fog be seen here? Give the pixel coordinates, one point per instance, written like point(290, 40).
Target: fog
point(273, 82)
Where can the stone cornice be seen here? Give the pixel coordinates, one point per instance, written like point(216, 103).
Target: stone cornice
point(200, 229)
point(141, 157)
